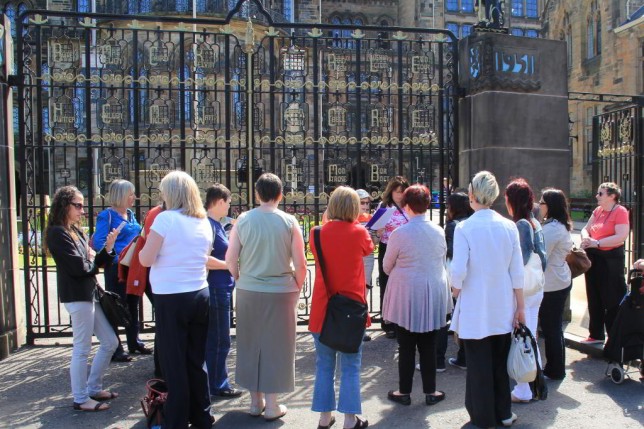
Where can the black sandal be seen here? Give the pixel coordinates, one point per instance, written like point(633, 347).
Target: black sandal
point(100, 406)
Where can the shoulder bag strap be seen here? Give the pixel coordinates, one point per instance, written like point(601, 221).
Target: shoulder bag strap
point(401, 212)
point(318, 246)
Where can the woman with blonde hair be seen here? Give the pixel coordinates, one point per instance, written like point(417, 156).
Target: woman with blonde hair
point(177, 250)
point(487, 278)
point(266, 258)
point(344, 243)
point(120, 216)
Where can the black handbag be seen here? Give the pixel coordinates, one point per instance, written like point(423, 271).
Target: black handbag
point(113, 307)
point(345, 320)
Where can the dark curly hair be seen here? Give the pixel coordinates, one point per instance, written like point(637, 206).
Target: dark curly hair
point(60, 205)
point(520, 198)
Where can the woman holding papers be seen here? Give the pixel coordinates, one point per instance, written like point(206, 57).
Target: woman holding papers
point(391, 198)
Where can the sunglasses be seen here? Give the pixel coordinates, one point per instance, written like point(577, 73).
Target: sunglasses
point(364, 203)
point(79, 206)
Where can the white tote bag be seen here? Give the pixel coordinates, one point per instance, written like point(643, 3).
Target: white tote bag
point(533, 276)
point(522, 364)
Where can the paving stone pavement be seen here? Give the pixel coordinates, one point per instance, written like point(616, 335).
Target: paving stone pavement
point(34, 393)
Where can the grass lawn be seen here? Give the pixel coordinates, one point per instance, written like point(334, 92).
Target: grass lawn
point(50, 261)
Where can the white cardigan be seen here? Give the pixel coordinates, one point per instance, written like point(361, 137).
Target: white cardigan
point(487, 266)
point(558, 245)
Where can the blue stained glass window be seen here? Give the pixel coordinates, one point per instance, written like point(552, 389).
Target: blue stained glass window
point(145, 6)
point(46, 129)
point(467, 5)
point(531, 9)
point(83, 6)
point(183, 5)
point(201, 6)
point(16, 118)
point(531, 33)
point(517, 32)
point(289, 10)
point(79, 108)
point(11, 14)
point(453, 27)
point(466, 30)
point(452, 5)
point(517, 7)
point(187, 96)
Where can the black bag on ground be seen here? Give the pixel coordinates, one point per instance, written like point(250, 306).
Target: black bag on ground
point(113, 307)
point(345, 320)
point(153, 403)
point(538, 387)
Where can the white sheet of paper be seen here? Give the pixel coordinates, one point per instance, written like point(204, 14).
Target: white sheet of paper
point(384, 219)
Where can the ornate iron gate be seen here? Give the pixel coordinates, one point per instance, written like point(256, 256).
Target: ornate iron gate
point(618, 152)
point(106, 96)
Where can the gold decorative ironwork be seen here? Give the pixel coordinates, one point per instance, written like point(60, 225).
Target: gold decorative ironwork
point(38, 20)
point(358, 34)
point(399, 36)
point(315, 33)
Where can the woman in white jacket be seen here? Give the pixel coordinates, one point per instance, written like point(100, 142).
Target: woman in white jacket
point(556, 231)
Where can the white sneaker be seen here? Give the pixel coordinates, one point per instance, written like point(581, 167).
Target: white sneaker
point(417, 367)
point(508, 422)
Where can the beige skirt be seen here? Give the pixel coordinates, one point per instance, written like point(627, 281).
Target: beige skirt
point(266, 325)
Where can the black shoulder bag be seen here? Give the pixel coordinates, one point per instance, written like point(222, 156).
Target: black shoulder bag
point(345, 320)
point(113, 307)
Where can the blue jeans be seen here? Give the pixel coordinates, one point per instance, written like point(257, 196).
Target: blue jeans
point(324, 390)
point(218, 343)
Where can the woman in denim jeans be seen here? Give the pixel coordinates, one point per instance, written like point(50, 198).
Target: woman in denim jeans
point(344, 243)
point(77, 265)
point(221, 284)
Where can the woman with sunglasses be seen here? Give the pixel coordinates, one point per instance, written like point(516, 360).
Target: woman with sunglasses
point(553, 209)
point(77, 265)
point(603, 239)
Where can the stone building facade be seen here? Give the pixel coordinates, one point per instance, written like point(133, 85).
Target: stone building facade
point(605, 55)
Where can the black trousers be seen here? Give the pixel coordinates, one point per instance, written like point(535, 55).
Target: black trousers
point(551, 322)
point(408, 342)
point(382, 282)
point(487, 384)
point(182, 328)
point(605, 289)
point(441, 349)
point(113, 284)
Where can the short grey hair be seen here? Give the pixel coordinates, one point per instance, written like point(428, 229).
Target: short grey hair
point(484, 188)
point(119, 191)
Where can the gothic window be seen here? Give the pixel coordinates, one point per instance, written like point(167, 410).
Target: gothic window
point(453, 27)
point(517, 32)
point(466, 30)
point(83, 6)
point(531, 9)
point(593, 32)
point(531, 33)
point(452, 5)
point(517, 7)
point(183, 5)
point(289, 10)
point(10, 11)
point(467, 6)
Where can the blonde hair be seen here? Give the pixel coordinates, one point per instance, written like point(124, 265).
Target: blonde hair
point(344, 204)
point(119, 191)
point(484, 188)
point(180, 191)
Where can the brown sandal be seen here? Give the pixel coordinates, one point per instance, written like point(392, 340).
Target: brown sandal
point(100, 406)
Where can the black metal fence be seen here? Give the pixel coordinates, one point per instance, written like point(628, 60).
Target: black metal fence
point(618, 151)
point(103, 97)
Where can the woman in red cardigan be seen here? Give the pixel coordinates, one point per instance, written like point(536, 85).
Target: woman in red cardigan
point(344, 243)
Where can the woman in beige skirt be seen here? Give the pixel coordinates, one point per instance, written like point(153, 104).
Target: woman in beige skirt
point(266, 257)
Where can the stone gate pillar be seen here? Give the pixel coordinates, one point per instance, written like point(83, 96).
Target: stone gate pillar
point(513, 120)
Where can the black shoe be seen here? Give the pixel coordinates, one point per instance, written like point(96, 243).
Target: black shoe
point(390, 334)
point(141, 349)
point(331, 423)
point(401, 399)
point(228, 393)
point(366, 338)
point(361, 424)
point(122, 357)
point(434, 399)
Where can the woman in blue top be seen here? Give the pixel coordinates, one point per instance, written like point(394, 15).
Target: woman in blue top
point(519, 200)
point(121, 198)
point(221, 284)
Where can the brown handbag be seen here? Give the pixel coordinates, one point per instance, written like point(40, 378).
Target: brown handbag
point(578, 262)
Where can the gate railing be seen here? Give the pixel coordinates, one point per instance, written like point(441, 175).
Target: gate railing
point(104, 96)
point(618, 152)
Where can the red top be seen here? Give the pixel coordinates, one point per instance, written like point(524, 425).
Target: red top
point(605, 221)
point(149, 219)
point(343, 245)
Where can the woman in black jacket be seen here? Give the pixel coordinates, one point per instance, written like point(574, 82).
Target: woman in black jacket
point(77, 265)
